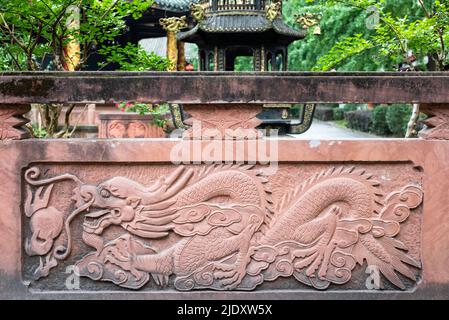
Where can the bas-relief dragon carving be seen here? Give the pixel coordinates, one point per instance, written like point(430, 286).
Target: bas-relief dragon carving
point(229, 231)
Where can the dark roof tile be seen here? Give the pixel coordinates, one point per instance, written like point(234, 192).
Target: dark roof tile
point(174, 5)
point(255, 22)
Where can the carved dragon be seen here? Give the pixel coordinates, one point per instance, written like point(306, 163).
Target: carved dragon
point(173, 24)
point(307, 20)
point(273, 10)
point(197, 12)
point(225, 231)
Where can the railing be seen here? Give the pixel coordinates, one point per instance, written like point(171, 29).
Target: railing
point(235, 5)
point(224, 208)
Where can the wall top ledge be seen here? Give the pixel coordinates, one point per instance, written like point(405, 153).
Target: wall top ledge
point(223, 87)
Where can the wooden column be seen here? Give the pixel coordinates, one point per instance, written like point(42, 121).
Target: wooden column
point(172, 50)
point(181, 56)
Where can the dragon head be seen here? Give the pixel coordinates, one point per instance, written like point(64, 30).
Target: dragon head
point(118, 200)
point(113, 202)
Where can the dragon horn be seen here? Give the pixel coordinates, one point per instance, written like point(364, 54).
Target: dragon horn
point(175, 175)
point(179, 184)
point(170, 187)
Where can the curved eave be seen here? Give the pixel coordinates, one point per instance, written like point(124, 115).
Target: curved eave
point(173, 5)
point(262, 25)
point(282, 28)
point(189, 34)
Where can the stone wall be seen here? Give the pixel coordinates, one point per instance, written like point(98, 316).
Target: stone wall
point(224, 212)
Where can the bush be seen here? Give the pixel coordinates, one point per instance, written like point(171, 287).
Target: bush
point(350, 107)
point(324, 113)
point(339, 114)
point(296, 110)
point(397, 117)
point(380, 125)
point(359, 120)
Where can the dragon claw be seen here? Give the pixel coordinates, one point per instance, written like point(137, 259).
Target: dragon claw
point(224, 274)
point(160, 279)
point(234, 281)
point(223, 267)
point(230, 275)
point(124, 262)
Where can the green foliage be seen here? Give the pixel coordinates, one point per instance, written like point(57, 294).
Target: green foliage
point(397, 117)
point(33, 29)
point(380, 125)
point(296, 110)
point(158, 112)
point(342, 123)
point(347, 47)
point(324, 113)
point(39, 132)
point(352, 39)
point(337, 23)
point(338, 114)
point(133, 58)
point(352, 107)
point(243, 64)
point(359, 120)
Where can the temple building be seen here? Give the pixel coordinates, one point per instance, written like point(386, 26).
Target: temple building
point(227, 29)
point(224, 32)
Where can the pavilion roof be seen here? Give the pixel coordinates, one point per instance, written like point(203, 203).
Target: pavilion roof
point(248, 23)
point(174, 5)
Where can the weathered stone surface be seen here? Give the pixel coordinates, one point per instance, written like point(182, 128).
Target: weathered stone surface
point(223, 121)
point(12, 122)
point(165, 218)
point(127, 125)
point(228, 87)
point(437, 122)
point(160, 229)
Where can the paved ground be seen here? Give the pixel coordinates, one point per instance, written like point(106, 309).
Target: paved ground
point(326, 130)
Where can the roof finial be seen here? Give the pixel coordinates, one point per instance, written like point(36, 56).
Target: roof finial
point(273, 10)
point(197, 12)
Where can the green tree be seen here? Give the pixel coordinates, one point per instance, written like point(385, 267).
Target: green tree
point(403, 27)
point(371, 35)
point(33, 31)
point(132, 57)
point(337, 23)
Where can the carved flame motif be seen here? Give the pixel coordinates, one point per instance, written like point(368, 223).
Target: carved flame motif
point(437, 122)
point(231, 233)
point(11, 122)
point(223, 122)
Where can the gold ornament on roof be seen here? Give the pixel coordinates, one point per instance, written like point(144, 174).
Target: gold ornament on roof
point(197, 12)
point(273, 10)
point(308, 20)
point(173, 24)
